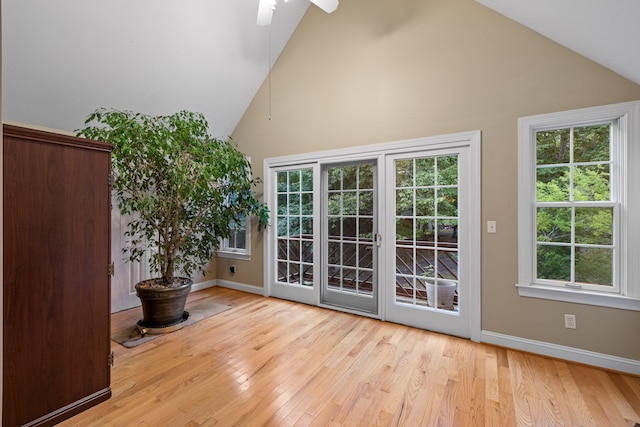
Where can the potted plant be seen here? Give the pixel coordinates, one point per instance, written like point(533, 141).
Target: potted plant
point(183, 188)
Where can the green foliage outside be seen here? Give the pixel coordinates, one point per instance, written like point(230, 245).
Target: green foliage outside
point(563, 179)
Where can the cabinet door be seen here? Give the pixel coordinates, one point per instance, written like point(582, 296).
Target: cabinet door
point(56, 283)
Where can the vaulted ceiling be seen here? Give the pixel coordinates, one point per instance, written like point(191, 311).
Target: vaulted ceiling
point(62, 60)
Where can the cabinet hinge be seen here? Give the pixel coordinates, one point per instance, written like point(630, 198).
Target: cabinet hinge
point(111, 269)
point(110, 359)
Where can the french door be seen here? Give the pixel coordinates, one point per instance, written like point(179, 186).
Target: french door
point(390, 231)
point(349, 236)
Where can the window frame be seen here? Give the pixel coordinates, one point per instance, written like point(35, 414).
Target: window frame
point(625, 155)
point(227, 251)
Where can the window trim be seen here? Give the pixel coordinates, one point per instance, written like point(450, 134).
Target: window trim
point(627, 116)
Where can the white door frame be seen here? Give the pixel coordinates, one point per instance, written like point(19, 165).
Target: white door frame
point(470, 140)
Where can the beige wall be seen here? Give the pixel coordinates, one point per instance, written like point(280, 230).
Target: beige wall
point(379, 71)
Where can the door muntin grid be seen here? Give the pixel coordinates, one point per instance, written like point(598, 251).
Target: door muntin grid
point(426, 228)
point(350, 222)
point(294, 223)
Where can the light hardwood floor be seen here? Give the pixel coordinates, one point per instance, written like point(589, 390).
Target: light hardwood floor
point(278, 363)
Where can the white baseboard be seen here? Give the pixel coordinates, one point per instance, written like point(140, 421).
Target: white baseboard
point(203, 285)
point(252, 289)
point(562, 352)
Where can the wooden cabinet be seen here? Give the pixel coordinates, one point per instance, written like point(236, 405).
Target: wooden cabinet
point(56, 288)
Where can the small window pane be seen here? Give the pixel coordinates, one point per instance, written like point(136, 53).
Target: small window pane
point(307, 251)
point(366, 177)
point(365, 256)
point(424, 230)
point(365, 204)
point(553, 147)
point(365, 228)
point(448, 202)
point(294, 181)
point(282, 182)
point(349, 227)
point(283, 226)
point(591, 143)
point(425, 202)
point(333, 207)
point(294, 226)
point(404, 202)
point(306, 226)
point(349, 255)
point(594, 265)
point(554, 262)
point(404, 229)
point(552, 184)
point(404, 260)
point(333, 253)
point(334, 228)
point(349, 203)
point(349, 179)
point(335, 178)
point(294, 204)
point(307, 204)
point(307, 180)
point(594, 226)
point(554, 225)
point(425, 262)
point(592, 183)
point(447, 170)
point(404, 173)
point(425, 172)
point(448, 231)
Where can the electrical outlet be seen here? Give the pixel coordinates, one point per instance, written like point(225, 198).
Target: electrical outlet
point(491, 227)
point(570, 321)
point(232, 269)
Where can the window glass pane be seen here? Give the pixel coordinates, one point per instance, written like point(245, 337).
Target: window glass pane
point(425, 202)
point(404, 229)
point(294, 204)
point(335, 178)
point(349, 254)
point(594, 226)
point(333, 251)
point(447, 170)
point(594, 265)
point(425, 262)
point(349, 203)
point(294, 250)
point(404, 202)
point(424, 230)
point(425, 172)
point(366, 177)
point(554, 225)
point(307, 204)
point(591, 143)
point(334, 227)
point(591, 183)
point(448, 202)
point(307, 251)
point(365, 256)
point(307, 274)
point(294, 272)
point(306, 226)
point(365, 230)
point(350, 177)
point(404, 260)
point(241, 239)
point(349, 227)
point(307, 180)
point(294, 226)
point(448, 264)
point(365, 204)
point(283, 226)
point(404, 173)
point(282, 204)
point(294, 181)
point(554, 262)
point(333, 205)
point(553, 146)
point(283, 246)
point(448, 231)
point(282, 182)
point(552, 184)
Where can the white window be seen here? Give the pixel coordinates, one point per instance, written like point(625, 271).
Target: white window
point(579, 206)
point(238, 243)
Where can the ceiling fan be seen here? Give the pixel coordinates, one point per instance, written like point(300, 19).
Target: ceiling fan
point(266, 8)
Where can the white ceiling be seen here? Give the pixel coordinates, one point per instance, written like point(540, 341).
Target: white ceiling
point(605, 31)
point(62, 60)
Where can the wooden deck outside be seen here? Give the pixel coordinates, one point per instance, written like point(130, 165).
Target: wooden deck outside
point(277, 363)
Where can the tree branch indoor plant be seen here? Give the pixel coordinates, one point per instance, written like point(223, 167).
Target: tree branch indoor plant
point(183, 188)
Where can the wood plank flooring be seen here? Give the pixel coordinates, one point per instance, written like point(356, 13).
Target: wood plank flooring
point(277, 363)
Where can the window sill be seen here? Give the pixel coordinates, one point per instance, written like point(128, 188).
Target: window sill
point(579, 297)
point(234, 255)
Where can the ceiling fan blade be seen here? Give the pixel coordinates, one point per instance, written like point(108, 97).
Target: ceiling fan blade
point(265, 12)
point(326, 5)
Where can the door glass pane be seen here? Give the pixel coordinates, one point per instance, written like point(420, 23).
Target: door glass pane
point(350, 227)
point(295, 227)
point(426, 197)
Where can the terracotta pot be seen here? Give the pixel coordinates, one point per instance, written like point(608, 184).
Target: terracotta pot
point(162, 306)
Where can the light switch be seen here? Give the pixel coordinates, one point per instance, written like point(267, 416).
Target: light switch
point(491, 227)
